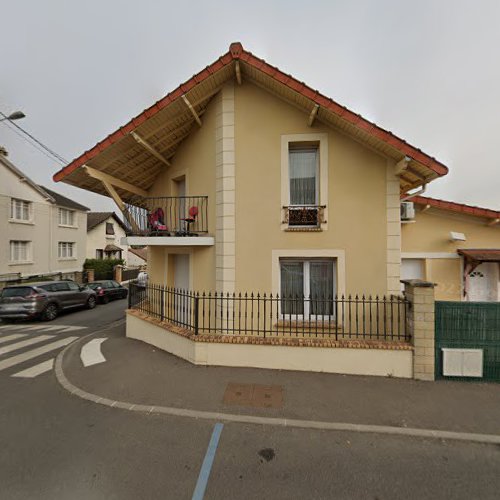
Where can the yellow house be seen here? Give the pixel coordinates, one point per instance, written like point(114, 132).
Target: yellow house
point(454, 245)
point(244, 179)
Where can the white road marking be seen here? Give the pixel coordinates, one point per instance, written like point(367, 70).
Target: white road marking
point(8, 338)
point(24, 343)
point(36, 370)
point(13, 327)
point(73, 329)
point(25, 356)
point(91, 352)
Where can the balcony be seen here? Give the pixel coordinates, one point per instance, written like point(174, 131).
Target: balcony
point(305, 217)
point(168, 220)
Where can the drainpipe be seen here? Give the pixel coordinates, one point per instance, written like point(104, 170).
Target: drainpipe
point(418, 193)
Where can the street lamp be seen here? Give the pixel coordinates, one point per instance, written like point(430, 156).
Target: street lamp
point(16, 115)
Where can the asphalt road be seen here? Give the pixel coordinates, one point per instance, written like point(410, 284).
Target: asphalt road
point(57, 446)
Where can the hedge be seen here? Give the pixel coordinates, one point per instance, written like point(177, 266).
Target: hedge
point(103, 268)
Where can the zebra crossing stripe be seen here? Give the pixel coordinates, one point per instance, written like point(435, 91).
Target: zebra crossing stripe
point(14, 336)
point(25, 356)
point(24, 343)
point(34, 371)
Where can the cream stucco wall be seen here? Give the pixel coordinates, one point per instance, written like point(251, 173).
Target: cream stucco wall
point(43, 231)
point(356, 197)
point(428, 238)
point(194, 159)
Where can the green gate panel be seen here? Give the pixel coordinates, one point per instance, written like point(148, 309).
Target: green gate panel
point(469, 325)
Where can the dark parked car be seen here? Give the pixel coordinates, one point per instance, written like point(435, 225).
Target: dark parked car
point(44, 300)
point(108, 290)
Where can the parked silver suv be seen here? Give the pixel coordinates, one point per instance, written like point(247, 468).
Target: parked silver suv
point(44, 300)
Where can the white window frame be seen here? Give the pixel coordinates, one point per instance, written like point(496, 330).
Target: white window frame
point(322, 140)
point(14, 203)
point(27, 245)
point(62, 215)
point(307, 288)
point(62, 250)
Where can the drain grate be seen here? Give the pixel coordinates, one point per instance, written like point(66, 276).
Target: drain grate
point(254, 395)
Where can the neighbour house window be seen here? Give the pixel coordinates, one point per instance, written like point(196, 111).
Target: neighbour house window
point(99, 253)
point(110, 228)
point(20, 251)
point(66, 250)
point(307, 287)
point(66, 217)
point(20, 210)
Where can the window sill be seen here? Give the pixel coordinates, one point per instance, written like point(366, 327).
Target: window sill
point(67, 226)
point(20, 263)
point(66, 258)
point(110, 236)
point(303, 229)
point(21, 221)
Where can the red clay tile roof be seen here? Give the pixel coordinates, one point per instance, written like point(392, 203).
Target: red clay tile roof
point(237, 52)
point(456, 207)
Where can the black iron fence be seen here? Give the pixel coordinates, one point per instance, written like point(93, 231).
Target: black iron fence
point(169, 216)
point(304, 215)
point(344, 317)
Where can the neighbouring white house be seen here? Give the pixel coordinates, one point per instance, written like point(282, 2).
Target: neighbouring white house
point(43, 231)
point(104, 233)
point(137, 257)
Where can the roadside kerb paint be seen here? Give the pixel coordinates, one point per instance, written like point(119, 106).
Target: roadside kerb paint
point(252, 419)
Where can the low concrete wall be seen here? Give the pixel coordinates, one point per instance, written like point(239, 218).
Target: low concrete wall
point(351, 361)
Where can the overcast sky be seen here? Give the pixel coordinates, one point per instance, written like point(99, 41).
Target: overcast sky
point(429, 71)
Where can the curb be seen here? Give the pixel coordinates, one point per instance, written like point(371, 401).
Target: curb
point(251, 419)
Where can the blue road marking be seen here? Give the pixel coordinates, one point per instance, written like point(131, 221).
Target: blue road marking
point(206, 467)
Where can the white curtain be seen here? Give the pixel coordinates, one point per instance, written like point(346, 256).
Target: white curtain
point(303, 171)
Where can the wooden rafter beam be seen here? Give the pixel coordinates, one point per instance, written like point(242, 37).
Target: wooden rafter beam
point(238, 72)
point(191, 108)
point(113, 181)
point(426, 208)
point(313, 115)
point(493, 222)
point(119, 203)
point(149, 148)
point(416, 173)
point(402, 165)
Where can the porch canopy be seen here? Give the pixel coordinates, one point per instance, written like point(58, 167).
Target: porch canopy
point(125, 164)
point(474, 257)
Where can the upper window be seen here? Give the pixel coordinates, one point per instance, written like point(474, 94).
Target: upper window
point(308, 287)
point(110, 228)
point(20, 210)
point(66, 217)
point(304, 181)
point(20, 251)
point(66, 250)
point(303, 161)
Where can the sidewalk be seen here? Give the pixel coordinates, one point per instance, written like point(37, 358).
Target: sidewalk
point(141, 374)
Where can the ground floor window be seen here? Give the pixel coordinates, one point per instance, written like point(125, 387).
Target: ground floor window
point(66, 250)
point(308, 286)
point(19, 251)
point(99, 254)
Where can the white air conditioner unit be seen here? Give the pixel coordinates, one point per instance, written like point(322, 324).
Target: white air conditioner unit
point(407, 210)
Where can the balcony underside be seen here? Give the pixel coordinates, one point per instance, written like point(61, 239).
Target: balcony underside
point(170, 241)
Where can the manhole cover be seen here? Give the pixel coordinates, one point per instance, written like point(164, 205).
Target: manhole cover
point(255, 395)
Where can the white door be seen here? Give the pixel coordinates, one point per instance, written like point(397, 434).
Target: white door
point(181, 271)
point(181, 282)
point(483, 283)
point(412, 269)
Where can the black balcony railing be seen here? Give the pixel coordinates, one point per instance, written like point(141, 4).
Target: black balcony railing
point(344, 317)
point(304, 215)
point(168, 216)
